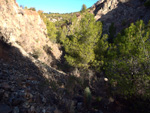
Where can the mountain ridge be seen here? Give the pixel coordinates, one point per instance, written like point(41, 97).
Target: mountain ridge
point(120, 12)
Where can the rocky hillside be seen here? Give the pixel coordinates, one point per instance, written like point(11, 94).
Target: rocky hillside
point(28, 84)
point(26, 29)
point(24, 78)
point(23, 83)
point(120, 12)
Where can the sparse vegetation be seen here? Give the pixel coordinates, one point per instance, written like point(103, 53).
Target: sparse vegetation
point(6, 1)
point(36, 54)
point(51, 29)
point(32, 8)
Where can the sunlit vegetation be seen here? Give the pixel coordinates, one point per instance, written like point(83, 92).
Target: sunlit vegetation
point(83, 8)
point(123, 58)
point(127, 64)
point(79, 42)
point(32, 8)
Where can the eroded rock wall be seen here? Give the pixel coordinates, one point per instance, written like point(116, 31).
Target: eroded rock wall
point(27, 29)
point(120, 12)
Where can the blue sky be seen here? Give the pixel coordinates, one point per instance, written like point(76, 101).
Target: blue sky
point(57, 6)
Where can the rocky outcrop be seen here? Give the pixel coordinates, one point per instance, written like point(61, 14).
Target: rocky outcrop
point(120, 12)
point(55, 19)
point(27, 29)
point(24, 80)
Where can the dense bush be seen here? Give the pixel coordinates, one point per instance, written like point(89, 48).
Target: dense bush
point(81, 41)
point(127, 64)
point(124, 58)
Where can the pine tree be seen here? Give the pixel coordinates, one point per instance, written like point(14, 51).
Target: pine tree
point(128, 68)
point(83, 8)
point(80, 44)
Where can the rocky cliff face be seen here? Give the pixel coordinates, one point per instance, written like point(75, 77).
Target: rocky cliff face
point(26, 29)
point(25, 81)
point(120, 12)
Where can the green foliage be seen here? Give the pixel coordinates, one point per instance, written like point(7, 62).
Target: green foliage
point(134, 41)
point(127, 66)
point(83, 8)
point(100, 52)
point(112, 32)
point(80, 42)
point(51, 30)
point(62, 35)
point(123, 58)
point(32, 8)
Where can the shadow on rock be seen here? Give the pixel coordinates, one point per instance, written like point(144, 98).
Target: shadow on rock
point(23, 88)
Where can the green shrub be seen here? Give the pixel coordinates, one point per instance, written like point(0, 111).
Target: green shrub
point(83, 8)
point(128, 68)
point(36, 54)
point(112, 32)
point(47, 49)
point(80, 42)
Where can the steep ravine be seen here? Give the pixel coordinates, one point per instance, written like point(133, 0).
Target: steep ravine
point(28, 84)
